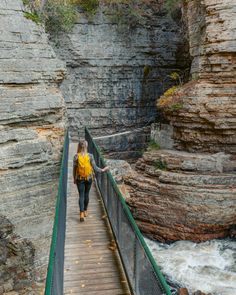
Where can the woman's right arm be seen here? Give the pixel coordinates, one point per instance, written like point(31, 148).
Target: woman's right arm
point(75, 162)
point(95, 167)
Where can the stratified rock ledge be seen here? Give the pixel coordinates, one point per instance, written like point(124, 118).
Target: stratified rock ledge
point(182, 196)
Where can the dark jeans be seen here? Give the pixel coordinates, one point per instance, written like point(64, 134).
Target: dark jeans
point(84, 188)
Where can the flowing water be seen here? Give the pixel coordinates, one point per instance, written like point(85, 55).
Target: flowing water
point(209, 266)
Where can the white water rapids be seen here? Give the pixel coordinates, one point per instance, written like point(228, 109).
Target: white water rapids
point(209, 266)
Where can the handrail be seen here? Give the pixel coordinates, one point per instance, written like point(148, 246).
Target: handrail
point(144, 265)
point(54, 280)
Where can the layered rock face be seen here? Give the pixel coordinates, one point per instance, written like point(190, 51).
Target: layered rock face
point(190, 194)
point(207, 122)
point(115, 74)
point(31, 133)
point(183, 196)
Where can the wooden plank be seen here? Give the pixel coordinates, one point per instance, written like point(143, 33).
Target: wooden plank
point(90, 266)
point(80, 271)
point(96, 266)
point(88, 247)
point(74, 277)
point(73, 291)
point(94, 281)
point(98, 287)
point(88, 260)
point(80, 255)
point(79, 252)
point(94, 257)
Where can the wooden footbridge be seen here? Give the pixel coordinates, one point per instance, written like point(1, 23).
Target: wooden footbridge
point(106, 254)
point(92, 263)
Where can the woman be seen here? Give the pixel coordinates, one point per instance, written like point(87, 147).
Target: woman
point(83, 166)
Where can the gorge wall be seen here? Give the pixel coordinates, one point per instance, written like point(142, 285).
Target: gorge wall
point(113, 80)
point(189, 192)
point(116, 73)
point(31, 132)
point(207, 122)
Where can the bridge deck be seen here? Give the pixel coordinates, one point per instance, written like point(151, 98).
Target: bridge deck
point(90, 266)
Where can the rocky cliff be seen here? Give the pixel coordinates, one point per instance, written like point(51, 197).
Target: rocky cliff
point(190, 192)
point(31, 132)
point(116, 73)
point(207, 121)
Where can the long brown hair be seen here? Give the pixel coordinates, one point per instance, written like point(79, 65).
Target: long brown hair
point(82, 146)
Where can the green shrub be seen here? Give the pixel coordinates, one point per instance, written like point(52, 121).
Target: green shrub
point(134, 12)
point(146, 71)
point(59, 17)
point(172, 99)
point(153, 145)
point(160, 164)
point(32, 16)
point(176, 107)
point(125, 13)
point(26, 2)
point(140, 152)
point(89, 6)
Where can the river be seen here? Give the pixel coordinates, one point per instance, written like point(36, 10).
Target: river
point(209, 266)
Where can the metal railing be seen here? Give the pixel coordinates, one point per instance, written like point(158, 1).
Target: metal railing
point(145, 277)
point(55, 274)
